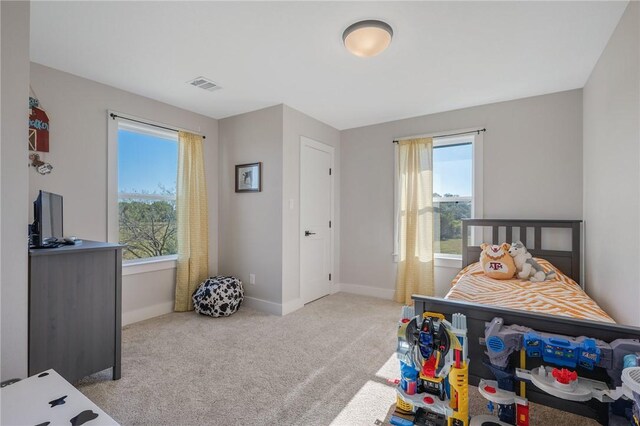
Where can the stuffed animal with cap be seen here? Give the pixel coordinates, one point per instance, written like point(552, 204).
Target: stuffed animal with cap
point(496, 262)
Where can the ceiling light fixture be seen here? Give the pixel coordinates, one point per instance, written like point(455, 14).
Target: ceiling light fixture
point(367, 38)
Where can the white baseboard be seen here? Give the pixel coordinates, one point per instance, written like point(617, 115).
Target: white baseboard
point(365, 290)
point(253, 302)
point(262, 305)
point(291, 306)
point(146, 313)
point(272, 307)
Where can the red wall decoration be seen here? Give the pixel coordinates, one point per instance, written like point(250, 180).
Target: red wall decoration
point(38, 128)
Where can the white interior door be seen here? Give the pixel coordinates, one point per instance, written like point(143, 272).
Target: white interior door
point(316, 248)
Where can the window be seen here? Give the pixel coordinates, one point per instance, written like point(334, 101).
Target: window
point(452, 192)
point(457, 194)
point(147, 173)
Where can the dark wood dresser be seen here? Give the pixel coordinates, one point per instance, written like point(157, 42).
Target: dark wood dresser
point(75, 309)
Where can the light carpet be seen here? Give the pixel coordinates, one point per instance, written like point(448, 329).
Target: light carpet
point(327, 363)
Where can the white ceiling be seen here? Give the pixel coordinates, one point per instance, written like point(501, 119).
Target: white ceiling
point(444, 55)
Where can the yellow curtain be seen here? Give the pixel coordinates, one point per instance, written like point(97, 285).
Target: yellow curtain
point(415, 180)
point(193, 223)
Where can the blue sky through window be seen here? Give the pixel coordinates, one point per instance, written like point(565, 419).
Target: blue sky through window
point(146, 163)
point(452, 170)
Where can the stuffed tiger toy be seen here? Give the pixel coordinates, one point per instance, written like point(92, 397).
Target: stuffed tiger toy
point(497, 262)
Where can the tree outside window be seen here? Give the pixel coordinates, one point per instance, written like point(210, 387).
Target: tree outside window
point(147, 171)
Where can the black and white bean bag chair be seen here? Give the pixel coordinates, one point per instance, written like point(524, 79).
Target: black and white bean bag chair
point(218, 296)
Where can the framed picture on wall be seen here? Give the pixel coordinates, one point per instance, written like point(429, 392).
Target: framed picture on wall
point(249, 177)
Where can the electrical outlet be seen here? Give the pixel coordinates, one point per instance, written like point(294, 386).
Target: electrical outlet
point(252, 279)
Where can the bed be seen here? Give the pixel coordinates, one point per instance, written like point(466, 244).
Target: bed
point(558, 296)
point(559, 320)
point(561, 295)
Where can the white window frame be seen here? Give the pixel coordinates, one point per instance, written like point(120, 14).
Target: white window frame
point(148, 264)
point(477, 207)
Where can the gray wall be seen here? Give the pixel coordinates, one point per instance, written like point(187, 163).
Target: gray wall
point(77, 108)
point(532, 169)
point(146, 295)
point(612, 173)
point(295, 125)
point(14, 181)
point(250, 227)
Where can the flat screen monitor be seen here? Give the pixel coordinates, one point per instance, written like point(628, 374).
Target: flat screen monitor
point(48, 214)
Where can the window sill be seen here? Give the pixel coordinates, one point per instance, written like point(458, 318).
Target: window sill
point(152, 264)
point(441, 260)
point(447, 261)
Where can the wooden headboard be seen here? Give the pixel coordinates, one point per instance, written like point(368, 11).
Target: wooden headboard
point(568, 261)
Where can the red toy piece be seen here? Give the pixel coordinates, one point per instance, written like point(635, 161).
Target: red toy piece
point(428, 400)
point(564, 376)
point(429, 367)
point(522, 413)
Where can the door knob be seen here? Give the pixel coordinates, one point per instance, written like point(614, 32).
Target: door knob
point(307, 233)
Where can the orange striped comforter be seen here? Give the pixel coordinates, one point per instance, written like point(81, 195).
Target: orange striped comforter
point(560, 296)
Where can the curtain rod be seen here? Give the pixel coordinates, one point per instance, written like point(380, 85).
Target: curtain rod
point(114, 116)
point(456, 134)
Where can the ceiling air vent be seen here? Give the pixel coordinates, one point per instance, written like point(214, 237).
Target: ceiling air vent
point(204, 83)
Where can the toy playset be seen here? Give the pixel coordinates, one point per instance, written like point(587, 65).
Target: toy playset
point(569, 361)
point(433, 356)
point(433, 388)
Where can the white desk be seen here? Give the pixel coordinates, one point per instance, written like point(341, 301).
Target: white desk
point(29, 402)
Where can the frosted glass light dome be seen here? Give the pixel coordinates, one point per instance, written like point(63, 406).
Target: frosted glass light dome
point(367, 38)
